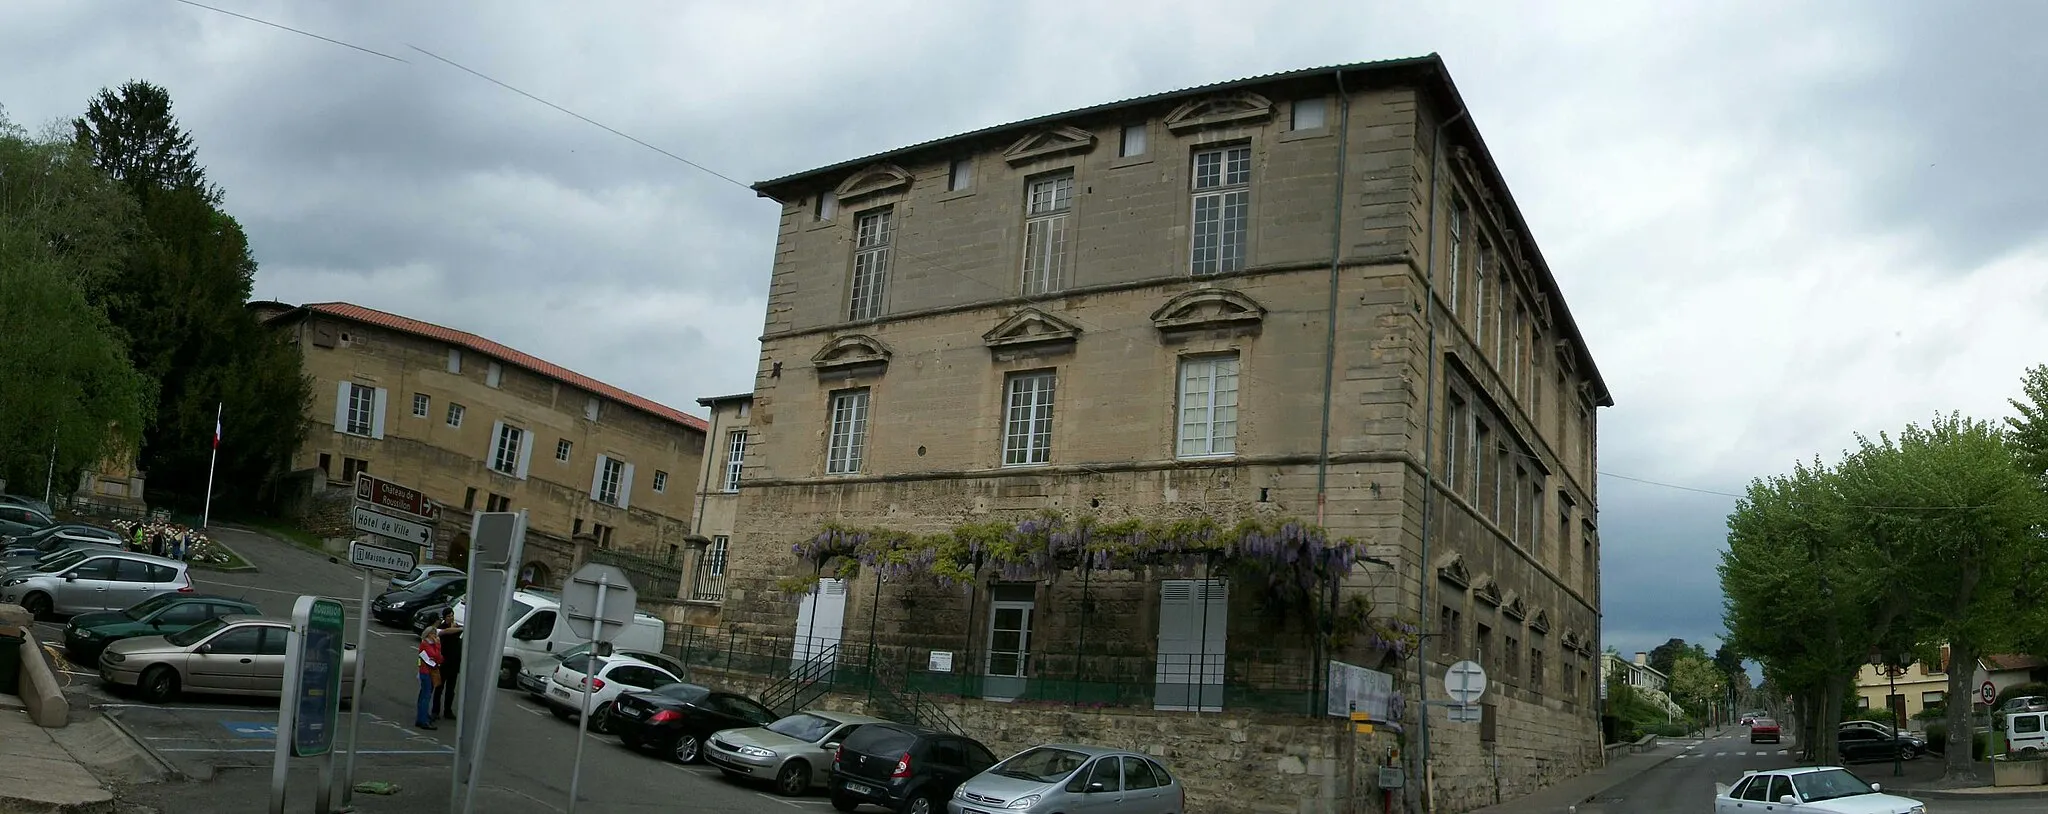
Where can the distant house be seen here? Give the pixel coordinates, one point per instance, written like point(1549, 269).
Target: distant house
point(1921, 686)
point(1647, 680)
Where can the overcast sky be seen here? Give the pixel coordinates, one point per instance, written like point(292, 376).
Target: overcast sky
point(1778, 224)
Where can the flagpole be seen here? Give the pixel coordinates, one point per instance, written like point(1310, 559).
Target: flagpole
point(206, 518)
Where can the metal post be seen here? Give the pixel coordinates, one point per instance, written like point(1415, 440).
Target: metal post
point(589, 674)
point(325, 803)
point(1898, 755)
point(355, 707)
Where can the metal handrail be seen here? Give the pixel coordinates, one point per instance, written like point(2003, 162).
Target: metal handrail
point(790, 689)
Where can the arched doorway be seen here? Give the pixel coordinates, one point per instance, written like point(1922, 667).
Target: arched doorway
point(535, 574)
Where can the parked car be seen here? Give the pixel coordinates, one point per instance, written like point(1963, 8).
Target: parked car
point(676, 718)
point(1809, 790)
point(605, 679)
point(93, 580)
point(17, 520)
point(1861, 743)
point(2022, 703)
point(795, 751)
point(1763, 729)
point(395, 608)
point(429, 615)
point(74, 531)
point(231, 655)
point(905, 768)
point(29, 502)
point(536, 633)
point(534, 678)
point(89, 633)
point(26, 550)
point(420, 574)
point(1062, 777)
point(1870, 725)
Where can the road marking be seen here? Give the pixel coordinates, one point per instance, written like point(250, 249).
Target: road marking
point(359, 751)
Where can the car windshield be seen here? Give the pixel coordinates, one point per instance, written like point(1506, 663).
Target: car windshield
point(802, 726)
point(686, 693)
point(1828, 784)
point(192, 635)
point(148, 606)
point(1043, 764)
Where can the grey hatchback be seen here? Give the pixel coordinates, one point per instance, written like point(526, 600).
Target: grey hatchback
point(1066, 777)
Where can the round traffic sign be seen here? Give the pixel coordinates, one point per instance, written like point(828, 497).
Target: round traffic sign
point(1988, 692)
point(1465, 682)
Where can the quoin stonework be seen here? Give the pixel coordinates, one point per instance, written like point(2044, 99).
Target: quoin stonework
point(1306, 296)
point(478, 426)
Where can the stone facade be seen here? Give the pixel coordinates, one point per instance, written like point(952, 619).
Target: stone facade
point(717, 506)
point(467, 396)
point(913, 289)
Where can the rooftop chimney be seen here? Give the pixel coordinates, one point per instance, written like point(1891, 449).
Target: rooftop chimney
point(1642, 658)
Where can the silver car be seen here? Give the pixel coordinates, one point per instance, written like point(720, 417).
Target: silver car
point(92, 579)
point(231, 655)
point(796, 752)
point(420, 574)
point(1066, 777)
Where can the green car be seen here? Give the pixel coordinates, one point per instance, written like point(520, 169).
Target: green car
point(89, 633)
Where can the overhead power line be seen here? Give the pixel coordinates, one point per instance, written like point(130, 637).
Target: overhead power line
point(293, 30)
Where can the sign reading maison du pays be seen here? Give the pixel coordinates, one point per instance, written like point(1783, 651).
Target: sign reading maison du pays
point(390, 496)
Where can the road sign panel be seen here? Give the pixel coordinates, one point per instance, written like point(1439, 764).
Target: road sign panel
point(589, 618)
point(1465, 682)
point(391, 497)
point(1988, 692)
point(386, 525)
point(1465, 714)
point(364, 555)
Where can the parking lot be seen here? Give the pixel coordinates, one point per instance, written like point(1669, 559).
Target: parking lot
point(225, 745)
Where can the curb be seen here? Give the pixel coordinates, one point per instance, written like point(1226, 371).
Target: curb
point(1951, 794)
point(1646, 769)
point(207, 566)
point(170, 770)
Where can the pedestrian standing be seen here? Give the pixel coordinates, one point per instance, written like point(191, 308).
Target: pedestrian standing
point(182, 544)
point(156, 540)
point(451, 668)
point(141, 534)
point(430, 676)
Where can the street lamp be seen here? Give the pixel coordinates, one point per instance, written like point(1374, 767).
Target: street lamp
point(1879, 662)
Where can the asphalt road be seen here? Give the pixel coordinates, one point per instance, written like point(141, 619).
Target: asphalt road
point(1685, 784)
point(225, 744)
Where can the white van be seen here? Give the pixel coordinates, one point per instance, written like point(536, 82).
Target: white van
point(536, 632)
point(2026, 733)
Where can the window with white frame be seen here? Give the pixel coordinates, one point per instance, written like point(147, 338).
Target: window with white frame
point(826, 206)
point(1310, 114)
point(961, 174)
point(1208, 406)
point(715, 558)
point(848, 441)
point(420, 403)
point(1456, 271)
point(1456, 417)
point(660, 480)
point(505, 453)
point(1133, 141)
point(871, 237)
point(611, 472)
point(1046, 204)
point(494, 374)
point(562, 449)
point(1027, 422)
point(362, 409)
point(1222, 209)
point(454, 414)
point(1482, 266)
point(735, 456)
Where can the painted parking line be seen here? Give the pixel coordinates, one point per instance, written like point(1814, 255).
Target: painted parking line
point(446, 752)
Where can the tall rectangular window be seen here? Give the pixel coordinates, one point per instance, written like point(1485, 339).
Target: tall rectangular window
point(1455, 417)
point(849, 438)
point(454, 414)
point(826, 206)
point(611, 473)
point(1515, 346)
point(1027, 421)
point(735, 455)
point(420, 403)
point(1223, 197)
point(660, 481)
point(562, 449)
point(1310, 114)
point(961, 175)
point(505, 454)
point(1133, 142)
point(1504, 492)
point(1208, 406)
point(1046, 204)
point(1516, 515)
point(1455, 273)
point(1482, 464)
point(1500, 325)
point(1536, 515)
point(870, 265)
point(362, 409)
point(1482, 266)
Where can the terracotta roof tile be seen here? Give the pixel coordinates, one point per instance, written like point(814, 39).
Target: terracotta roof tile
point(472, 342)
point(2012, 661)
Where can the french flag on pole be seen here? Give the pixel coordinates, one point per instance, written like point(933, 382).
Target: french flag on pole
point(216, 425)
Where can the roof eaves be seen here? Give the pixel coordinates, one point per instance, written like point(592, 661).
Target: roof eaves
point(713, 401)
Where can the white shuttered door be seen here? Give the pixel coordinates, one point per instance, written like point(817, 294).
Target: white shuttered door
point(1193, 615)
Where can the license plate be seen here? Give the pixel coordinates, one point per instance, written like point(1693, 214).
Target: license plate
point(857, 788)
point(558, 692)
point(630, 712)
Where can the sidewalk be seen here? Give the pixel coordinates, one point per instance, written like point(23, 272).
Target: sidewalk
point(1560, 797)
point(71, 769)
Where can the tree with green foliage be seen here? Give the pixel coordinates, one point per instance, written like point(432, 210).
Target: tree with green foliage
point(2030, 427)
point(71, 398)
point(1696, 684)
point(180, 298)
point(1663, 656)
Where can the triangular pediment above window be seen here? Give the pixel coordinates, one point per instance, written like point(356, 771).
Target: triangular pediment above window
point(1514, 608)
point(1451, 569)
point(1030, 327)
point(851, 352)
point(873, 179)
point(1571, 640)
point(1219, 110)
point(1487, 591)
point(1049, 142)
point(1206, 308)
point(1540, 624)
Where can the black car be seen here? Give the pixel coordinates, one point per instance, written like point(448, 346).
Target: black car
point(676, 718)
point(1857, 743)
point(395, 608)
point(905, 768)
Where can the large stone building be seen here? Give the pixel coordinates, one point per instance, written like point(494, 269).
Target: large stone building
point(1306, 295)
point(479, 426)
point(718, 493)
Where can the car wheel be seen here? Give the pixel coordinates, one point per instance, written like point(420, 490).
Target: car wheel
point(921, 804)
point(1907, 753)
point(601, 719)
point(158, 684)
point(37, 605)
point(508, 674)
point(844, 803)
point(794, 779)
point(688, 748)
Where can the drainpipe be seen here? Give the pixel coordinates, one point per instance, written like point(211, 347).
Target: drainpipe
point(1330, 318)
point(1421, 796)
